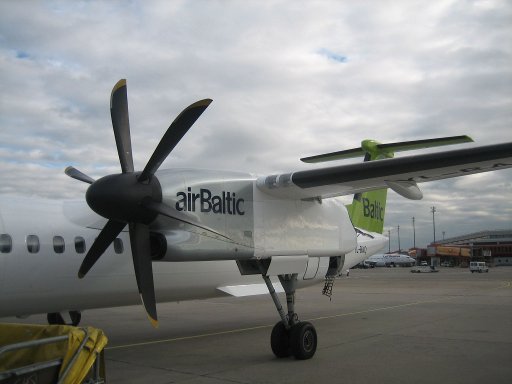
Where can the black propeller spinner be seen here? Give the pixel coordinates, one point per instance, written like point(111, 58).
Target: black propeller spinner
point(135, 198)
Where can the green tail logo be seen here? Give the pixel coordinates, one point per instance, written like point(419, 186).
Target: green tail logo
point(368, 209)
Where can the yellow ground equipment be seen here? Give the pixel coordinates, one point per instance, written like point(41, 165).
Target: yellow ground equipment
point(51, 354)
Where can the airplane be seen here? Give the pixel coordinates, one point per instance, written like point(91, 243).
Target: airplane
point(203, 233)
point(389, 260)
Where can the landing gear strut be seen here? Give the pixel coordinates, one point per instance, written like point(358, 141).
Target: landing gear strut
point(290, 336)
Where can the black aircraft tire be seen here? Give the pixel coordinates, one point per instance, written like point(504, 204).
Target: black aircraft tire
point(303, 340)
point(75, 316)
point(280, 340)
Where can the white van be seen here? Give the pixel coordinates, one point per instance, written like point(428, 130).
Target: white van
point(478, 266)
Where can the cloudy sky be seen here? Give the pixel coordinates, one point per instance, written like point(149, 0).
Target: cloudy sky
point(288, 79)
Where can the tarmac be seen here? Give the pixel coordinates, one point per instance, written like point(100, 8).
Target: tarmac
point(383, 325)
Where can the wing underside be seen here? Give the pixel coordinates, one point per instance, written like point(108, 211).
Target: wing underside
point(400, 174)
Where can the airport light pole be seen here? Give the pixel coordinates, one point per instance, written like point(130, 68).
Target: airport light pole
point(433, 210)
point(389, 240)
point(399, 248)
point(443, 235)
point(414, 232)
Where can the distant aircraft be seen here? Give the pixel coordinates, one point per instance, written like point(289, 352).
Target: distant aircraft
point(198, 233)
point(389, 260)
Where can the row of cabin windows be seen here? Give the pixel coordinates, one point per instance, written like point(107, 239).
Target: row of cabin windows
point(59, 245)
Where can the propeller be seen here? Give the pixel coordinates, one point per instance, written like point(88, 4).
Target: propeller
point(135, 198)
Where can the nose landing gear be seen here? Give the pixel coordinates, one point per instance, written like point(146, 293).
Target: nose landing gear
point(290, 337)
point(299, 340)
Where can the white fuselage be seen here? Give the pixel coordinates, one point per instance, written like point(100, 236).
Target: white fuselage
point(38, 270)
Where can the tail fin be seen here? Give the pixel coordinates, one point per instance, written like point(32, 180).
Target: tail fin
point(368, 208)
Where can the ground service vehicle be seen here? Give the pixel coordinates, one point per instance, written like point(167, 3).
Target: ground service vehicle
point(478, 266)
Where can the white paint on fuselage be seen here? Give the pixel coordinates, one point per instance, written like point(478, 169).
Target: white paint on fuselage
point(368, 243)
point(47, 281)
point(296, 227)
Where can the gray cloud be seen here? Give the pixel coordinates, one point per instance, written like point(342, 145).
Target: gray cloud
point(288, 79)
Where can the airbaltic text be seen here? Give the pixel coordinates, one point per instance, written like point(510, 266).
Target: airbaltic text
point(373, 209)
point(224, 203)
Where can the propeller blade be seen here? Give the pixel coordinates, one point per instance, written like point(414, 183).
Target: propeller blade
point(106, 236)
point(141, 252)
point(165, 210)
point(76, 174)
point(121, 125)
point(174, 134)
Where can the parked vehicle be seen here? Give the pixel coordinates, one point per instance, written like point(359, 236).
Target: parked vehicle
point(478, 266)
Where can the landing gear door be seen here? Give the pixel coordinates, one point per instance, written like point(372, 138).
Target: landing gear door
point(285, 265)
point(312, 268)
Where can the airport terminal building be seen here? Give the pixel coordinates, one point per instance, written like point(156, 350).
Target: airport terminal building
point(493, 247)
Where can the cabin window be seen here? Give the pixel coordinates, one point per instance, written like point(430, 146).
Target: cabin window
point(5, 243)
point(32, 243)
point(118, 245)
point(58, 244)
point(79, 244)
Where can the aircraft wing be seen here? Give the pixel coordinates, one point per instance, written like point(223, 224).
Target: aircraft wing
point(400, 174)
